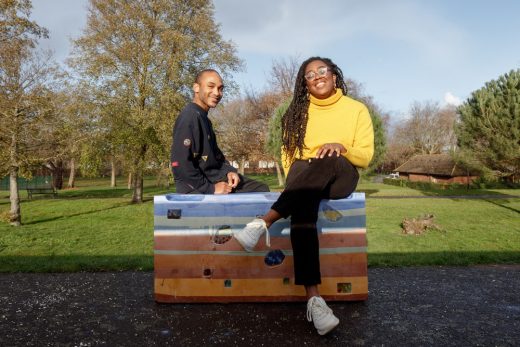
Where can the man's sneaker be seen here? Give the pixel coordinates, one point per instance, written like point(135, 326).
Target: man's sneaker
point(322, 316)
point(249, 236)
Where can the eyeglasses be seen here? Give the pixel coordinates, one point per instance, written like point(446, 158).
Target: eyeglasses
point(322, 71)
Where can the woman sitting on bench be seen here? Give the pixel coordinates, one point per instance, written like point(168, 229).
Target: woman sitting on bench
point(326, 135)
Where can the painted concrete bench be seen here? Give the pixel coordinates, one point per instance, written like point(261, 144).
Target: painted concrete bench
point(197, 260)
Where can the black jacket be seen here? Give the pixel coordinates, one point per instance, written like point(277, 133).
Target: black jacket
point(196, 160)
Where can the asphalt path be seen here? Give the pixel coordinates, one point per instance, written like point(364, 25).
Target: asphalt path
point(415, 306)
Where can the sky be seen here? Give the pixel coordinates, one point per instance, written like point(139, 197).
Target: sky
point(401, 51)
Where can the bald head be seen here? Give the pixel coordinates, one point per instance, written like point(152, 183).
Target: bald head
point(208, 89)
point(201, 74)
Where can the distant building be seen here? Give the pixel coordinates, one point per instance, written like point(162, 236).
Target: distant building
point(435, 168)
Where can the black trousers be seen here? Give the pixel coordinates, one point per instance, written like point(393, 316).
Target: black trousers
point(247, 185)
point(308, 182)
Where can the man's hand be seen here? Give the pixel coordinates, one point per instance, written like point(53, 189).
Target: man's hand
point(222, 188)
point(233, 179)
point(330, 149)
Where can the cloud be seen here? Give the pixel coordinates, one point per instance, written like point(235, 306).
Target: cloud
point(64, 19)
point(284, 27)
point(451, 99)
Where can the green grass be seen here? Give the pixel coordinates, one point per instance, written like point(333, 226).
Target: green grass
point(380, 189)
point(95, 228)
point(471, 232)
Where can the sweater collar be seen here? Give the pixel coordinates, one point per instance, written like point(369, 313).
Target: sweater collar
point(200, 109)
point(328, 101)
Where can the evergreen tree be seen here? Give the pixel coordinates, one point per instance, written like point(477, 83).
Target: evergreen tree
point(489, 128)
point(355, 90)
point(274, 138)
point(379, 140)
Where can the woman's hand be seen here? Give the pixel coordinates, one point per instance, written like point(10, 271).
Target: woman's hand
point(329, 149)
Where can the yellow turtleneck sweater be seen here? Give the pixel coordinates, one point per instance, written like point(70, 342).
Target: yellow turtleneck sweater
point(342, 120)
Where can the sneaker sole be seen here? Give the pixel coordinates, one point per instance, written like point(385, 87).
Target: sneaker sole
point(328, 330)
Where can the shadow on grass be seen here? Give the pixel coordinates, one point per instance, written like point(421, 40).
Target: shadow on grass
point(458, 258)
point(496, 203)
point(95, 193)
point(106, 193)
point(367, 192)
point(492, 197)
point(467, 194)
point(75, 263)
point(79, 214)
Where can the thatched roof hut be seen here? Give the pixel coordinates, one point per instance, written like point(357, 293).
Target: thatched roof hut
point(437, 168)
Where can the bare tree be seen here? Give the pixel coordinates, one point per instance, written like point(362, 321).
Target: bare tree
point(283, 75)
point(429, 129)
point(237, 132)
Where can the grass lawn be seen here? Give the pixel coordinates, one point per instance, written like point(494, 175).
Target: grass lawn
point(95, 228)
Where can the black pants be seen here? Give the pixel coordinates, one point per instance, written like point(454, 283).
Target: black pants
point(247, 185)
point(308, 182)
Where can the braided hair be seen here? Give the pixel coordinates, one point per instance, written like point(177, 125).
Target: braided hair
point(294, 121)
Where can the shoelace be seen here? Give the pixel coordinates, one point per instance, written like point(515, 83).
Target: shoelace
point(267, 237)
point(315, 301)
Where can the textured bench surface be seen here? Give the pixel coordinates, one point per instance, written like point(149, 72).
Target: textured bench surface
point(197, 260)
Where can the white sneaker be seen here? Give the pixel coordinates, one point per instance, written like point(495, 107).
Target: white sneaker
point(249, 236)
point(322, 316)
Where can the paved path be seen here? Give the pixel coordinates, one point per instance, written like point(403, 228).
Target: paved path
point(419, 306)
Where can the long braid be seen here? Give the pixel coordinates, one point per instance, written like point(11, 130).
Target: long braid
point(294, 121)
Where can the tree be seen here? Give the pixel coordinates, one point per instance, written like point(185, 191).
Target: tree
point(236, 132)
point(242, 125)
point(72, 129)
point(26, 91)
point(489, 128)
point(283, 75)
point(429, 129)
point(141, 58)
point(274, 139)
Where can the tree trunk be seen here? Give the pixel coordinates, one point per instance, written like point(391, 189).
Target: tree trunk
point(137, 196)
point(57, 175)
point(158, 178)
point(279, 175)
point(72, 175)
point(130, 182)
point(15, 216)
point(113, 183)
point(241, 165)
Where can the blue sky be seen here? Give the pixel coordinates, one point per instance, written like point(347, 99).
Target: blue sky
point(400, 50)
